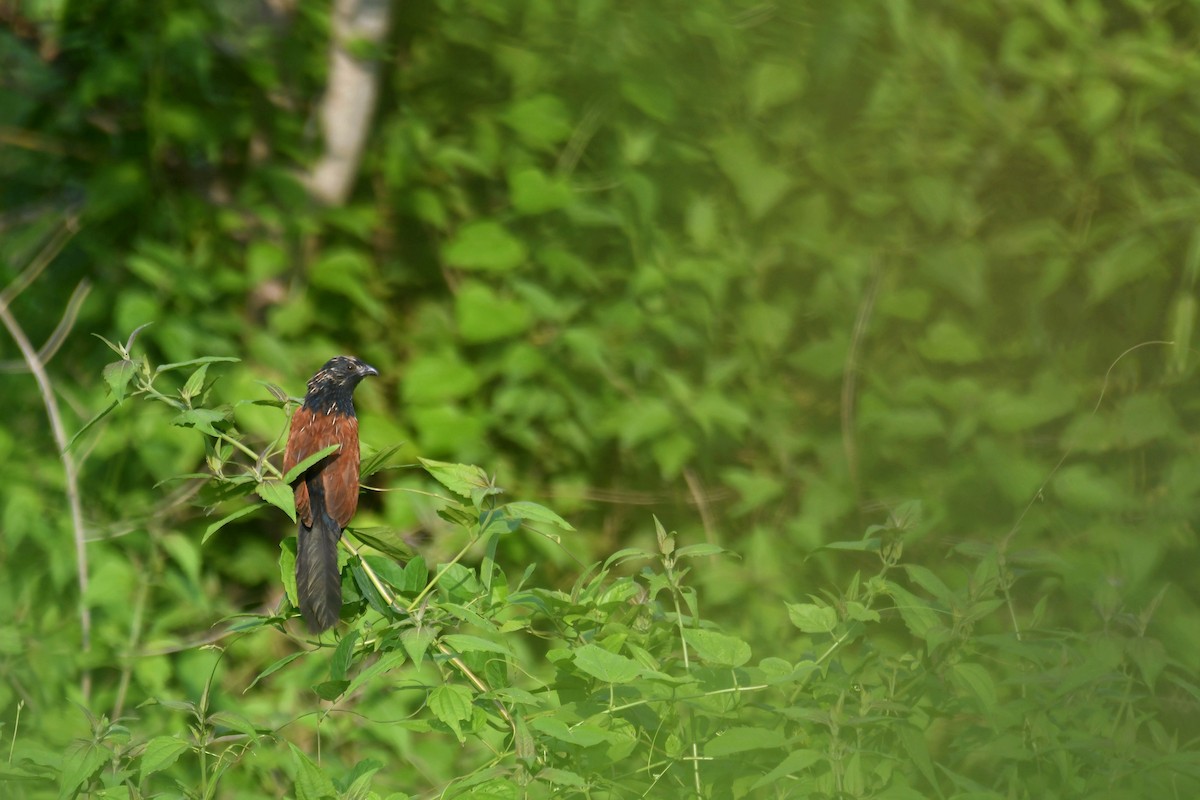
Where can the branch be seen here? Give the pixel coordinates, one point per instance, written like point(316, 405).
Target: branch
point(72, 476)
point(350, 97)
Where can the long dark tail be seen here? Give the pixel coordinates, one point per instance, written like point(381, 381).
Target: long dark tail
point(318, 580)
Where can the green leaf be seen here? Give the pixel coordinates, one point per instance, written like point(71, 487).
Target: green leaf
point(917, 614)
point(277, 665)
point(194, 363)
point(950, 342)
point(302, 466)
point(278, 494)
point(812, 618)
point(451, 704)
point(462, 479)
point(796, 761)
point(311, 782)
point(717, 648)
point(228, 518)
point(160, 753)
point(976, 680)
point(560, 777)
point(582, 735)
point(378, 460)
point(741, 738)
point(759, 185)
point(342, 656)
point(606, 666)
point(532, 512)
point(702, 550)
point(287, 569)
point(387, 661)
point(202, 419)
point(416, 642)
point(541, 121)
point(118, 375)
point(81, 761)
point(331, 690)
point(348, 272)
point(438, 377)
point(465, 643)
point(484, 315)
point(389, 541)
point(532, 192)
point(88, 425)
point(195, 383)
point(485, 245)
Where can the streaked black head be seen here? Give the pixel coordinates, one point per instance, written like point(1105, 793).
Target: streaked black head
point(330, 391)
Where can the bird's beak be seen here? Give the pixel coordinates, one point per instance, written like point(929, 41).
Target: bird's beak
point(367, 369)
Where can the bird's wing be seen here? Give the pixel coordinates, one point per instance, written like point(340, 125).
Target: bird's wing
point(312, 432)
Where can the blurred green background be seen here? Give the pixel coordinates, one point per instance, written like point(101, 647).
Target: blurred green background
point(765, 270)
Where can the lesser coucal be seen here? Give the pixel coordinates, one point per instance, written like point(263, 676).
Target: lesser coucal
point(327, 492)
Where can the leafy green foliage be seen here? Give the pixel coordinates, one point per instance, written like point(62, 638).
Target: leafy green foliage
point(763, 270)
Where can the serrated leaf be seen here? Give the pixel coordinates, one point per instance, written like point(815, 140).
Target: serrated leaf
point(342, 655)
point(916, 613)
point(416, 643)
point(81, 761)
point(117, 375)
point(202, 419)
point(701, 551)
point(302, 466)
point(451, 704)
point(278, 494)
point(465, 480)
point(194, 383)
point(311, 783)
point(526, 511)
point(389, 541)
point(160, 753)
point(465, 643)
point(812, 618)
point(717, 648)
point(606, 666)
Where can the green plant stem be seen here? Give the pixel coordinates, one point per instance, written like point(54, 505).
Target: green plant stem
point(429, 586)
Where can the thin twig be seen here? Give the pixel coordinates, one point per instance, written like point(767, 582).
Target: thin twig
point(63, 234)
point(59, 335)
point(69, 469)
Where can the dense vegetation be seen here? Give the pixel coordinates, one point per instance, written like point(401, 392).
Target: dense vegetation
point(835, 360)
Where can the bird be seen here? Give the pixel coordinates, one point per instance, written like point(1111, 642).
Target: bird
point(326, 493)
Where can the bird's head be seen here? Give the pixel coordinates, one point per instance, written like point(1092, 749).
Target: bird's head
point(336, 380)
